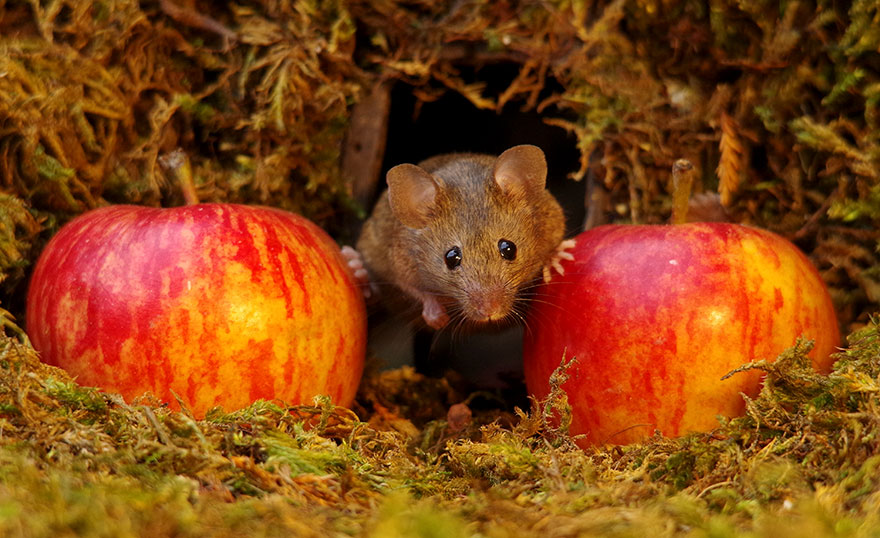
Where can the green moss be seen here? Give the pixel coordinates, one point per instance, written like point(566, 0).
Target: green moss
point(93, 94)
point(70, 465)
point(400, 515)
point(866, 208)
point(74, 397)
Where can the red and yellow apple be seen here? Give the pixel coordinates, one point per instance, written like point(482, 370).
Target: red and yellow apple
point(218, 304)
point(655, 317)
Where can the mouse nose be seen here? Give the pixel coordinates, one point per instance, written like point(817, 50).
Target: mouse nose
point(489, 305)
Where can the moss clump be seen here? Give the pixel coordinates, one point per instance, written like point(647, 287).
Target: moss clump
point(93, 94)
point(74, 460)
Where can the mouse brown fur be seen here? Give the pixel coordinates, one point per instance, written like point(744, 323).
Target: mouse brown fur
point(485, 206)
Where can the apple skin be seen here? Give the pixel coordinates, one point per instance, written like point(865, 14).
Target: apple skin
point(222, 304)
point(656, 315)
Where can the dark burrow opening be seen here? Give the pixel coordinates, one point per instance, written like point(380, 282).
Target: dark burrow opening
point(490, 359)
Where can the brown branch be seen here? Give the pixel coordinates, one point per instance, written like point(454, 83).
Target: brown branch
point(189, 17)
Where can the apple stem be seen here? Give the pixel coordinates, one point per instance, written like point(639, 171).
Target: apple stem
point(682, 183)
point(179, 164)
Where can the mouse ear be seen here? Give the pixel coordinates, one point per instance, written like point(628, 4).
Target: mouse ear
point(412, 194)
point(521, 170)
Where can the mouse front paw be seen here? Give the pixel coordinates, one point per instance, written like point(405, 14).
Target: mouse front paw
point(355, 263)
point(433, 312)
point(555, 262)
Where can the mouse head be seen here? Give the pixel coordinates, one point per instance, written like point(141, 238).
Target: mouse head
point(480, 227)
point(416, 196)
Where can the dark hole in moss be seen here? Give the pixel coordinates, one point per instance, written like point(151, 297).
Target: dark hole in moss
point(64, 17)
point(453, 124)
point(729, 75)
point(759, 159)
point(848, 137)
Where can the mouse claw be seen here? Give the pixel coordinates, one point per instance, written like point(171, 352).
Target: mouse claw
point(545, 271)
point(355, 264)
point(555, 262)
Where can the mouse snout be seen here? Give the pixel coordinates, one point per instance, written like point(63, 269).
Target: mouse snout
point(492, 304)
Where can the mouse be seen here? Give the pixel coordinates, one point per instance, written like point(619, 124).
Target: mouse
point(463, 235)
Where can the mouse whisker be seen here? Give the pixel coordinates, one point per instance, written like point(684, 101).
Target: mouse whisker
point(517, 316)
point(459, 328)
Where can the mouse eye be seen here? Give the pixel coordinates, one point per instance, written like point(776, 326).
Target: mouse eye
point(453, 258)
point(507, 249)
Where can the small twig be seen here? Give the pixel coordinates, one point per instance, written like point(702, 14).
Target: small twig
point(813, 221)
point(160, 430)
point(682, 183)
point(624, 430)
point(595, 200)
point(364, 146)
point(714, 486)
point(206, 446)
point(189, 17)
point(177, 162)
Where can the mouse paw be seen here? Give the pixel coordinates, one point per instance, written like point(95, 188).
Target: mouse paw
point(433, 312)
point(555, 262)
point(355, 263)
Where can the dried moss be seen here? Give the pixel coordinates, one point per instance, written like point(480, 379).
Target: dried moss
point(93, 94)
point(776, 104)
point(793, 87)
point(259, 95)
point(18, 231)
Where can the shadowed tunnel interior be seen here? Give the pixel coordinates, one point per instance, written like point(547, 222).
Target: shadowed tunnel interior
point(453, 124)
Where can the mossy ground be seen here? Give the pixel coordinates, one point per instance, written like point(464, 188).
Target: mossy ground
point(77, 462)
point(775, 104)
